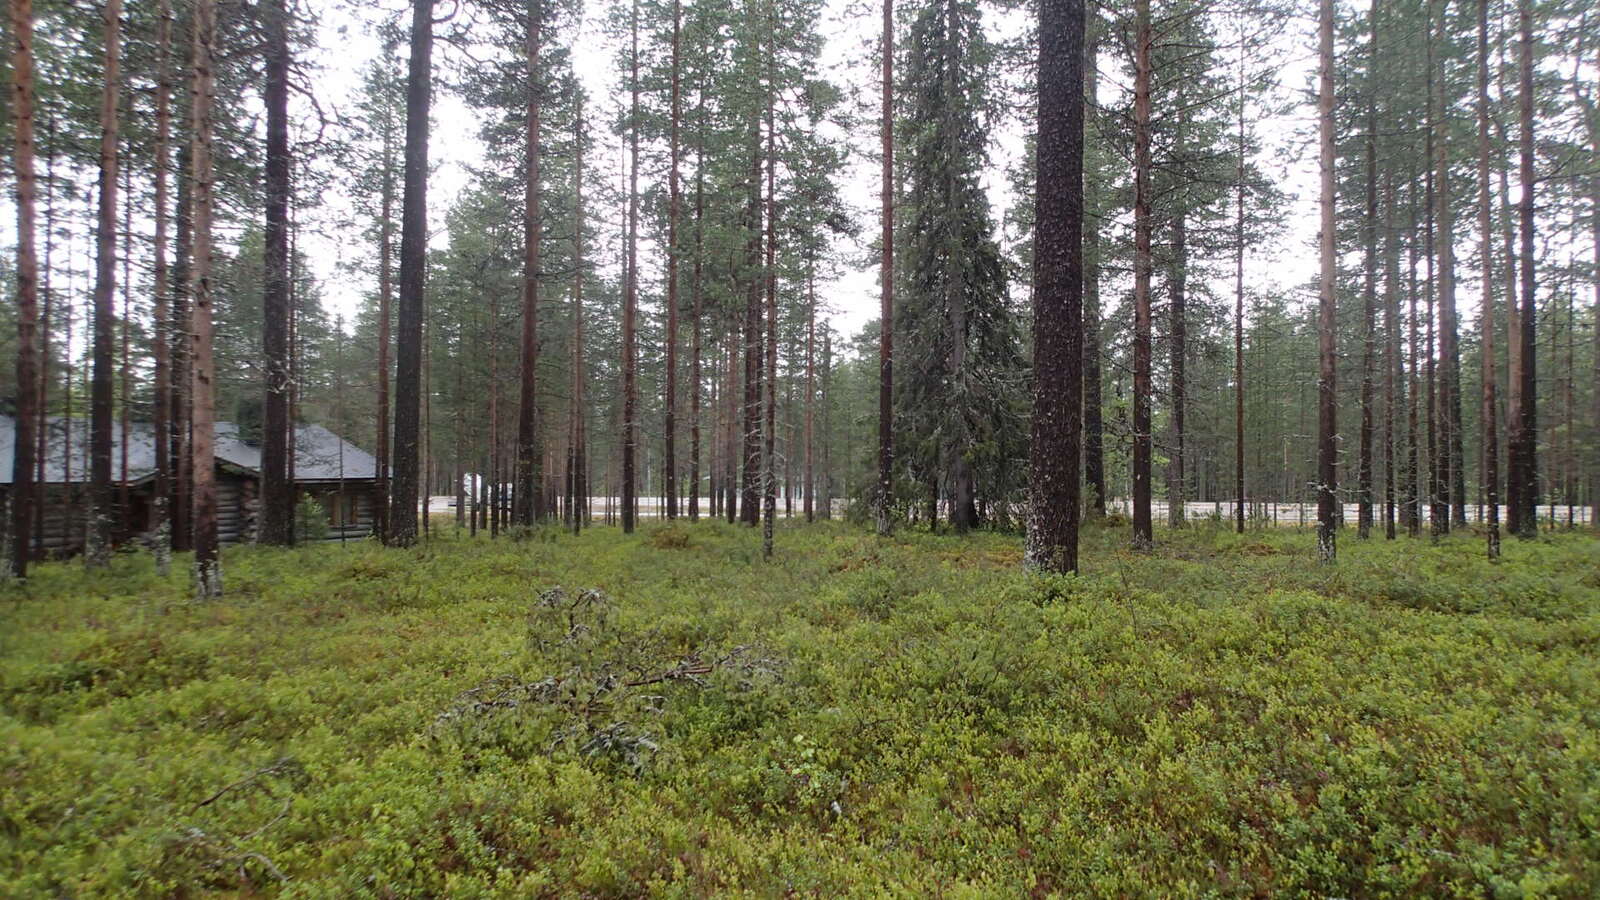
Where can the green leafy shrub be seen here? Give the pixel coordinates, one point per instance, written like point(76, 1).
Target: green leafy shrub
point(913, 716)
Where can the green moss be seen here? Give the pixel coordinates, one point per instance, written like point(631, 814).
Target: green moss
point(912, 716)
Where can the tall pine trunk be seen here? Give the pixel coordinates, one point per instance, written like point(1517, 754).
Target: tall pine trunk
point(1369, 299)
point(1413, 474)
point(580, 450)
point(1052, 541)
point(769, 499)
point(630, 303)
point(1178, 319)
point(529, 479)
point(809, 484)
point(413, 273)
point(1238, 314)
point(24, 460)
point(1594, 390)
point(385, 315)
point(1525, 428)
point(1327, 426)
point(161, 333)
point(1177, 487)
point(750, 491)
point(1486, 319)
point(101, 499)
point(1394, 364)
point(670, 426)
point(1452, 480)
point(885, 487)
point(207, 564)
point(1144, 39)
point(182, 325)
point(277, 498)
point(697, 298)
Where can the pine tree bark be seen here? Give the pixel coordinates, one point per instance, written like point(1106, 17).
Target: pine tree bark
point(207, 564)
point(728, 413)
point(1238, 315)
point(1452, 478)
point(1438, 511)
point(29, 411)
point(670, 425)
point(1052, 540)
point(732, 437)
point(1413, 468)
point(182, 325)
point(1526, 428)
point(496, 477)
point(385, 314)
point(1177, 481)
point(885, 487)
point(1369, 302)
point(1486, 318)
point(101, 402)
point(528, 500)
point(125, 523)
point(277, 499)
point(413, 274)
point(630, 303)
point(1144, 39)
point(697, 298)
point(1394, 364)
point(826, 506)
point(1327, 425)
point(1413, 474)
point(769, 500)
point(580, 450)
point(1594, 418)
point(809, 476)
point(750, 491)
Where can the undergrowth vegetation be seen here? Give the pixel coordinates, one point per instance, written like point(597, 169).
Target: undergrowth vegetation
point(666, 714)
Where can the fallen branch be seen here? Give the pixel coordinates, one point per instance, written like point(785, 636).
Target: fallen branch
point(682, 671)
point(273, 769)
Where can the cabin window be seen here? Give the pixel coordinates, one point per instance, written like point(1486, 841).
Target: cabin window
point(343, 509)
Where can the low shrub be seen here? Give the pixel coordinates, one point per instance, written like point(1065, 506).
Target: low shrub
point(669, 714)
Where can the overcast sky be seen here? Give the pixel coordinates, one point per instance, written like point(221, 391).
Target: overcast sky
point(348, 42)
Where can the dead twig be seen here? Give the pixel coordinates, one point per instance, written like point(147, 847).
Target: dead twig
point(673, 674)
point(273, 769)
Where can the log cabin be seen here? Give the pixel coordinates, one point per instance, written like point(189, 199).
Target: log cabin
point(340, 476)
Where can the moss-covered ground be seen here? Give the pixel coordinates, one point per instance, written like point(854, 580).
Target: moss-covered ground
point(666, 714)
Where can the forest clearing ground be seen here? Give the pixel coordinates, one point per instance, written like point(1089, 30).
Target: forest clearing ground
point(912, 715)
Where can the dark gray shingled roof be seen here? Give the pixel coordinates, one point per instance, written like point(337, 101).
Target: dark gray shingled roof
point(319, 454)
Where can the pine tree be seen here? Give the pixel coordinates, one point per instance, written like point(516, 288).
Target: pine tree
point(630, 362)
point(207, 563)
point(1144, 39)
point(529, 504)
point(670, 427)
point(29, 384)
point(277, 493)
point(885, 485)
point(413, 248)
point(1524, 492)
point(1058, 284)
point(961, 369)
point(1327, 429)
point(1486, 318)
point(102, 503)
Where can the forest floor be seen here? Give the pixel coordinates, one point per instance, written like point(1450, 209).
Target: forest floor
point(666, 714)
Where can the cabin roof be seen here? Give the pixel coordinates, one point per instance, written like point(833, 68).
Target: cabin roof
point(319, 454)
